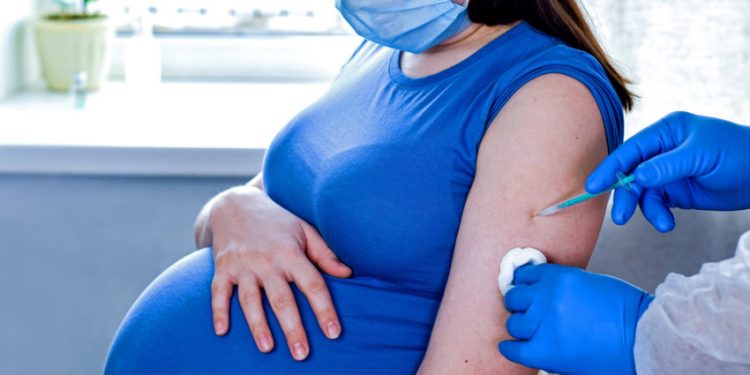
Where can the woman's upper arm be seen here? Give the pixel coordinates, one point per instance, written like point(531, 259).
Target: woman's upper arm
point(538, 150)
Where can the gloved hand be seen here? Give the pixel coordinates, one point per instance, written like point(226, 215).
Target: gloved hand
point(683, 160)
point(570, 321)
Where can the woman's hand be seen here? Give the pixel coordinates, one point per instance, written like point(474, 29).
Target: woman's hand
point(258, 244)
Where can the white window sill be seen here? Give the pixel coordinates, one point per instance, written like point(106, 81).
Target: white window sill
point(171, 129)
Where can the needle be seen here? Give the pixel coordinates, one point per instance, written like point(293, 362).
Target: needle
point(622, 181)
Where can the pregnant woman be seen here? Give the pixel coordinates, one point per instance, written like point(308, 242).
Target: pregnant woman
point(372, 240)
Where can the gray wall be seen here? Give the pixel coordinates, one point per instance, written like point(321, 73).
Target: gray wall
point(638, 253)
point(79, 250)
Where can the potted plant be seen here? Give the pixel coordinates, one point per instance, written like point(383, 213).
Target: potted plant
point(73, 41)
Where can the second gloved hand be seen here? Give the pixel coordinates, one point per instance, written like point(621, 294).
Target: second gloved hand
point(684, 161)
point(571, 321)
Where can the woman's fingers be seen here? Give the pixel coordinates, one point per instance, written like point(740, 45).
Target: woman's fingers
point(285, 308)
point(221, 292)
point(320, 254)
point(251, 301)
point(308, 279)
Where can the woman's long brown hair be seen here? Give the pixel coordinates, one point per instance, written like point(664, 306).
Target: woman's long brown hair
point(563, 19)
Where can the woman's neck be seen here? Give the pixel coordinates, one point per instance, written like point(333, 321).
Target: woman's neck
point(452, 51)
point(473, 34)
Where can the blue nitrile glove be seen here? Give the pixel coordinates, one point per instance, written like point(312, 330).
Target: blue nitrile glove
point(570, 321)
point(683, 160)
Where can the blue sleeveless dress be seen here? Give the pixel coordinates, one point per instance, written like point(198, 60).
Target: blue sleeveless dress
point(381, 166)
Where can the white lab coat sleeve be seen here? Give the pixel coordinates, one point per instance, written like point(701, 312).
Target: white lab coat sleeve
point(699, 324)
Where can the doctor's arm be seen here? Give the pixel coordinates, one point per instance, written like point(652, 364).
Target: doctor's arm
point(594, 324)
point(538, 150)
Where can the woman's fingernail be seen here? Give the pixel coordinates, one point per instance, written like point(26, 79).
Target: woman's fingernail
point(333, 330)
point(220, 327)
point(299, 351)
point(265, 343)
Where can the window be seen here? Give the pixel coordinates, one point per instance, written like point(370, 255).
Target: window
point(239, 17)
point(237, 40)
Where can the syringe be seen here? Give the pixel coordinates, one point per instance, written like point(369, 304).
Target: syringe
point(622, 181)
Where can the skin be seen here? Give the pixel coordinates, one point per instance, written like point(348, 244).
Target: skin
point(258, 245)
point(562, 141)
point(560, 145)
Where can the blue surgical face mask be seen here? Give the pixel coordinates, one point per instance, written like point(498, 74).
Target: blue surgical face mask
point(408, 25)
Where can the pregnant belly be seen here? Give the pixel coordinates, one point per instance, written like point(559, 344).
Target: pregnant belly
point(169, 330)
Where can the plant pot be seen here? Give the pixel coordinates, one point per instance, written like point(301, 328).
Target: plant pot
point(68, 47)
